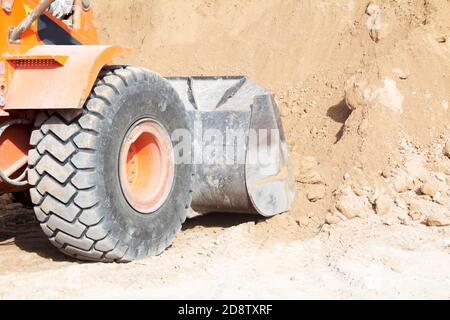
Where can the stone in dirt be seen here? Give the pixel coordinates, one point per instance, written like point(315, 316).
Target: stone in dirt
point(416, 216)
point(403, 183)
point(310, 177)
point(401, 203)
point(377, 192)
point(352, 206)
point(316, 193)
point(374, 21)
point(361, 191)
point(308, 173)
point(332, 218)
point(360, 93)
point(372, 9)
point(443, 166)
point(388, 95)
point(388, 221)
point(386, 172)
point(429, 189)
point(384, 204)
point(415, 168)
point(430, 213)
point(441, 199)
point(353, 94)
point(437, 220)
point(441, 39)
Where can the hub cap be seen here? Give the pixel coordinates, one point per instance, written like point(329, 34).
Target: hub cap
point(146, 166)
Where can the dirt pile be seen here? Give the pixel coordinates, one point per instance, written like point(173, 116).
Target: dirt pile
point(363, 89)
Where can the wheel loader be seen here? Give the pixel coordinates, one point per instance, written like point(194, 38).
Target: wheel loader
point(114, 158)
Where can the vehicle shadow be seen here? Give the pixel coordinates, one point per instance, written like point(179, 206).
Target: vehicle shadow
point(19, 227)
point(221, 220)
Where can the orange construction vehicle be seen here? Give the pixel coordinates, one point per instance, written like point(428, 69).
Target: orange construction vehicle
point(113, 158)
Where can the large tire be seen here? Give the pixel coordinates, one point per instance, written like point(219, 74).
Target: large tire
point(73, 171)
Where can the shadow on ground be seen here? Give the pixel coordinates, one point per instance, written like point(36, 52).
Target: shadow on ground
point(18, 226)
point(339, 113)
point(221, 220)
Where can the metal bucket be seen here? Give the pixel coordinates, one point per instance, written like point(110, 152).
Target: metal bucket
point(241, 158)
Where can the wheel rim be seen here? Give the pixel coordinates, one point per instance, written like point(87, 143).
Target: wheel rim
point(146, 167)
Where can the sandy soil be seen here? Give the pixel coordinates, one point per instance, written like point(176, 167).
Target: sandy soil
point(220, 257)
point(364, 97)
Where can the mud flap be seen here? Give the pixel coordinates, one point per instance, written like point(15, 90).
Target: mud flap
point(239, 150)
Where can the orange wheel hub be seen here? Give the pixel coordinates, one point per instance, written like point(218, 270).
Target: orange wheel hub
point(146, 166)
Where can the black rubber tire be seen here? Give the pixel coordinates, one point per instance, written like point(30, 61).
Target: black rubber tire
point(22, 197)
point(73, 170)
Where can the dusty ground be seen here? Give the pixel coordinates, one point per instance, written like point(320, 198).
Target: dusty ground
point(217, 257)
point(364, 93)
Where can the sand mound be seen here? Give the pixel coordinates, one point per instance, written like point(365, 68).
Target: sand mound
point(363, 88)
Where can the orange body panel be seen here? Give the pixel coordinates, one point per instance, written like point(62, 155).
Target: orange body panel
point(14, 145)
point(64, 84)
point(85, 34)
point(40, 73)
